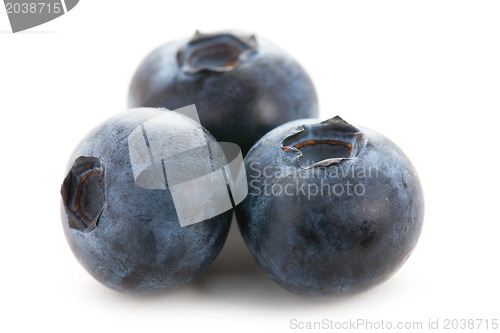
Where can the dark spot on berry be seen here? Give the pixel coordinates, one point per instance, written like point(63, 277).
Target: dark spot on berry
point(83, 194)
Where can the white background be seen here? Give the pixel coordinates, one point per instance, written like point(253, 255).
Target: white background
point(424, 73)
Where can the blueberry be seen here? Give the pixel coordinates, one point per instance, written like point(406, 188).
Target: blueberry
point(332, 209)
point(242, 85)
point(125, 229)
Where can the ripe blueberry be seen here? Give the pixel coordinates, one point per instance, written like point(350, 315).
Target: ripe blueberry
point(332, 209)
point(242, 85)
point(129, 236)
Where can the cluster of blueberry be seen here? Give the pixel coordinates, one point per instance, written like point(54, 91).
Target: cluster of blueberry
point(312, 233)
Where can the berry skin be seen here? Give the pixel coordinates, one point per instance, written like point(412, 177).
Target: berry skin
point(243, 85)
point(332, 209)
point(126, 236)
